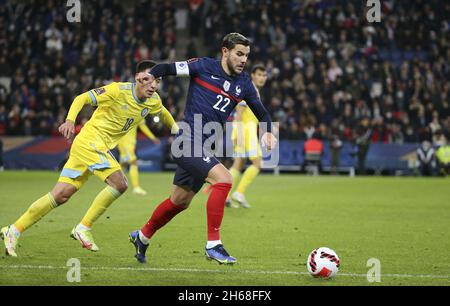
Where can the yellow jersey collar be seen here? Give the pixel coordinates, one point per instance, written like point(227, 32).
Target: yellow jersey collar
point(135, 96)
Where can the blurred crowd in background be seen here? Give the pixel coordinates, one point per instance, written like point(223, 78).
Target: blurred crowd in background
point(331, 73)
point(46, 61)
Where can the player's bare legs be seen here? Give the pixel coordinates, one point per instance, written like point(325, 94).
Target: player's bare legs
point(118, 181)
point(60, 194)
point(238, 163)
point(117, 185)
point(182, 196)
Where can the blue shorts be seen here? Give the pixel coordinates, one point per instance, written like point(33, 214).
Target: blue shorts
point(192, 171)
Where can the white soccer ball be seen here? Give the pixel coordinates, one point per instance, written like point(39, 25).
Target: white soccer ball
point(323, 262)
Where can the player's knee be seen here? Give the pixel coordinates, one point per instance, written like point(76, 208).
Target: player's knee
point(225, 178)
point(181, 201)
point(183, 204)
point(121, 186)
point(257, 163)
point(238, 164)
point(61, 196)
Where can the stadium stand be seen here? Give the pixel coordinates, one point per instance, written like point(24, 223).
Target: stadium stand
point(328, 67)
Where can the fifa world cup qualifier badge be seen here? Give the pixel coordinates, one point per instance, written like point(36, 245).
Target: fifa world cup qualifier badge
point(100, 91)
point(144, 112)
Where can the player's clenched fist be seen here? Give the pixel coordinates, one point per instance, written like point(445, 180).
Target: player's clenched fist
point(67, 129)
point(268, 140)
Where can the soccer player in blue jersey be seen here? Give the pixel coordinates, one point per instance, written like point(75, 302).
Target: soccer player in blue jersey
point(216, 87)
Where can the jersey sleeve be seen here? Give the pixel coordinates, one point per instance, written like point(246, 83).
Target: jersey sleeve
point(144, 129)
point(253, 100)
point(104, 95)
point(157, 105)
point(191, 67)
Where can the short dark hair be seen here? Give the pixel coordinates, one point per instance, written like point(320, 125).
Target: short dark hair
point(257, 67)
point(232, 39)
point(144, 65)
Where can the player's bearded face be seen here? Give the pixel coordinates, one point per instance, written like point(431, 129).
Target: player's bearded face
point(237, 58)
point(145, 86)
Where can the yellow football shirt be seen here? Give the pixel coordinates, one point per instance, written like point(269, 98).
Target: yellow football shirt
point(247, 114)
point(118, 112)
point(131, 137)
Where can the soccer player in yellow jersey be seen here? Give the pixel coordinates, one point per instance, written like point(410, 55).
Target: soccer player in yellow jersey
point(246, 144)
point(127, 149)
point(120, 107)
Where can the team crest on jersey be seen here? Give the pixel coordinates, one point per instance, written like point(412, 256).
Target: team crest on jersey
point(100, 90)
point(181, 65)
point(238, 90)
point(226, 85)
point(144, 112)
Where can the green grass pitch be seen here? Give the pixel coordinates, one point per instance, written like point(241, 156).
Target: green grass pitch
point(403, 222)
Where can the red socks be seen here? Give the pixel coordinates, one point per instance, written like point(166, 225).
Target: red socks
point(214, 210)
point(162, 214)
point(215, 207)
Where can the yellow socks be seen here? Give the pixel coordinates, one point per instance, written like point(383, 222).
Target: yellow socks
point(247, 178)
point(44, 205)
point(134, 175)
point(236, 174)
point(35, 212)
point(99, 206)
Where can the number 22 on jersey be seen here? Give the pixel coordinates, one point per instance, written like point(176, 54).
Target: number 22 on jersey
point(222, 103)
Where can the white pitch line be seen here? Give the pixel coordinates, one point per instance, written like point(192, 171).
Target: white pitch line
point(190, 270)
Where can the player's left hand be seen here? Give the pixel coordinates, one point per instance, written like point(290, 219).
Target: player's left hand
point(269, 140)
point(156, 141)
point(67, 129)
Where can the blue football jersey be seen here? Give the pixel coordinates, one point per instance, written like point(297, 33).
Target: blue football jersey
point(214, 94)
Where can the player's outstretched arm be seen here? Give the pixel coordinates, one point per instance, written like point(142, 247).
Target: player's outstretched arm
point(237, 125)
point(168, 120)
point(268, 139)
point(184, 68)
point(239, 110)
point(67, 129)
point(144, 128)
point(163, 69)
